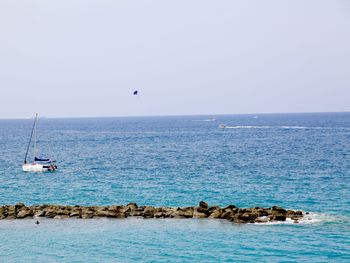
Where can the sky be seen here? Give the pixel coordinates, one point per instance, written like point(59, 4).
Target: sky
point(83, 58)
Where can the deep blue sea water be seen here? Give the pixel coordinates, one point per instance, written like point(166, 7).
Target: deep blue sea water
point(297, 161)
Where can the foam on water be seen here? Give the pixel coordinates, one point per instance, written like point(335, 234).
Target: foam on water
point(247, 127)
point(308, 218)
point(206, 120)
point(285, 127)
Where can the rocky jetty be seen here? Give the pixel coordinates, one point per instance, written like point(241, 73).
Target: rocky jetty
point(231, 212)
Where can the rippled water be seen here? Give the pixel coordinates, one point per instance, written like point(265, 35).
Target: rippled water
point(298, 161)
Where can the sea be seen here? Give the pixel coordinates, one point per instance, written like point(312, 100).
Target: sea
point(296, 161)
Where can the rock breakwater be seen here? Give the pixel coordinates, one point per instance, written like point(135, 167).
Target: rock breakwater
point(231, 212)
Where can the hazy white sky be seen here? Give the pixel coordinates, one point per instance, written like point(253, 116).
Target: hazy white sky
point(84, 58)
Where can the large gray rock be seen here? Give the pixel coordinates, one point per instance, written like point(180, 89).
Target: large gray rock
point(120, 211)
point(149, 212)
point(19, 206)
point(203, 204)
point(50, 212)
point(230, 207)
point(24, 212)
point(215, 212)
point(132, 206)
point(279, 209)
point(3, 212)
point(136, 211)
point(248, 217)
point(74, 214)
point(198, 214)
point(186, 212)
point(279, 217)
point(171, 212)
point(10, 212)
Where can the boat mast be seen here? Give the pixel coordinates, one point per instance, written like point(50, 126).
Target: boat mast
point(30, 139)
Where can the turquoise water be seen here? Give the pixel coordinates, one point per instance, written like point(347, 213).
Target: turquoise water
point(298, 161)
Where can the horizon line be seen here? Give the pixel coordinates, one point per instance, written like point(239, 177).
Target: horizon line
point(174, 115)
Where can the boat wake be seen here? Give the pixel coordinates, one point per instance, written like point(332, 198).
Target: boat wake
point(246, 127)
point(205, 120)
point(282, 127)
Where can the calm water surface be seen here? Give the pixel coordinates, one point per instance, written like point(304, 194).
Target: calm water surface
point(298, 161)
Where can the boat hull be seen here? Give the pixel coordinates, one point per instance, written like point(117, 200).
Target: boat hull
point(35, 168)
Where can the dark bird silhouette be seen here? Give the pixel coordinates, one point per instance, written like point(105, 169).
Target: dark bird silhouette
point(135, 92)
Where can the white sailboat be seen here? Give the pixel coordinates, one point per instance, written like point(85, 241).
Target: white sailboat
point(38, 164)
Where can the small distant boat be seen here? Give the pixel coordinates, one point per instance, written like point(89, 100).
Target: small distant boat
point(38, 164)
point(222, 126)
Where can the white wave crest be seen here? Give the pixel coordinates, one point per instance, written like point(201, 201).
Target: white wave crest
point(281, 127)
point(293, 127)
point(206, 120)
point(310, 218)
point(248, 127)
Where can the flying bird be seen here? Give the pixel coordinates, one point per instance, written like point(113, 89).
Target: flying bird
point(135, 92)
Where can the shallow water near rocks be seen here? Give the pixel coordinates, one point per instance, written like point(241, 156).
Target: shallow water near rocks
point(297, 161)
point(209, 240)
